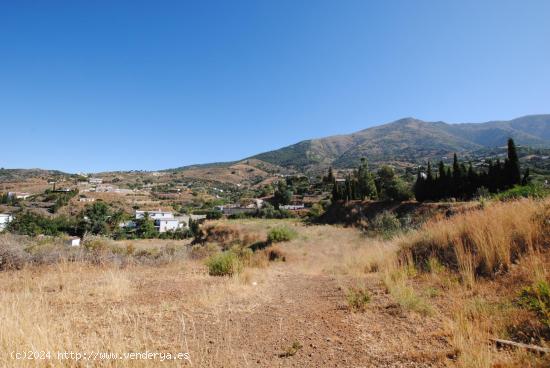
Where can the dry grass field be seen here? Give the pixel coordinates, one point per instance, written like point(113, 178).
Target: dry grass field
point(429, 298)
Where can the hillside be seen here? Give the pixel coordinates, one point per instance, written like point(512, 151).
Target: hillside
point(409, 140)
point(402, 143)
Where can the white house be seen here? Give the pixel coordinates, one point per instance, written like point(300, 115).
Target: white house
point(154, 215)
point(95, 180)
point(5, 219)
point(165, 221)
point(73, 241)
point(19, 195)
point(292, 207)
point(86, 199)
point(168, 224)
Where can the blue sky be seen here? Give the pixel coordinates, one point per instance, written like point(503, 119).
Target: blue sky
point(119, 85)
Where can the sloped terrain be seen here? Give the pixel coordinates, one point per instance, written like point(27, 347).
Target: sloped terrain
point(410, 140)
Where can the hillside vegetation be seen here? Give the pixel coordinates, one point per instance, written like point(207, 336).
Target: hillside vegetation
point(408, 141)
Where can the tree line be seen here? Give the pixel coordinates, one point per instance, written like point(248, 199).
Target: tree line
point(362, 184)
point(464, 182)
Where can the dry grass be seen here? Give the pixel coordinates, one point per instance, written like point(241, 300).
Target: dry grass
point(463, 273)
point(486, 242)
point(496, 251)
point(82, 308)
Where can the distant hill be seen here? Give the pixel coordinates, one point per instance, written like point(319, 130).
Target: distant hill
point(7, 175)
point(402, 143)
point(407, 141)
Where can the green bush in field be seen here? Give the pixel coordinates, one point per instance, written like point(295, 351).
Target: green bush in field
point(537, 299)
point(281, 234)
point(358, 298)
point(385, 224)
point(224, 264)
point(526, 191)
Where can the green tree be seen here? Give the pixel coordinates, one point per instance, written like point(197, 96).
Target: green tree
point(513, 171)
point(95, 219)
point(145, 227)
point(366, 187)
point(390, 187)
point(283, 195)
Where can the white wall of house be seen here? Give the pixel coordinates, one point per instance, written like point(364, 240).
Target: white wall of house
point(5, 219)
point(73, 242)
point(165, 225)
point(292, 207)
point(155, 215)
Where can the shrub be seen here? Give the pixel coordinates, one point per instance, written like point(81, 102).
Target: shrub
point(386, 224)
point(358, 298)
point(525, 191)
point(281, 234)
point(315, 211)
point(291, 350)
point(201, 251)
point(12, 255)
point(537, 299)
point(32, 224)
point(275, 254)
point(224, 264)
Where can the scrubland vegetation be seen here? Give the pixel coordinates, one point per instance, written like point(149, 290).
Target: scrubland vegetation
point(280, 292)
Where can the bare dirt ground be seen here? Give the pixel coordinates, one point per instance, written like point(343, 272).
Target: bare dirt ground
point(293, 314)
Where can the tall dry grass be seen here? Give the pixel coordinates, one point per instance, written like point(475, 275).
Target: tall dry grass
point(504, 242)
point(485, 242)
point(78, 307)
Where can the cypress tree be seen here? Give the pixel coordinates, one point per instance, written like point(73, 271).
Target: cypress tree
point(335, 190)
point(443, 182)
point(420, 187)
point(513, 169)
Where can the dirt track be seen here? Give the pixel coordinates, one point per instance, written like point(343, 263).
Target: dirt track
point(257, 325)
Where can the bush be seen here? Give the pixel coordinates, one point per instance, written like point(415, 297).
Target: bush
point(315, 211)
point(526, 191)
point(385, 224)
point(537, 299)
point(358, 298)
point(275, 253)
point(32, 224)
point(224, 264)
point(12, 255)
point(281, 234)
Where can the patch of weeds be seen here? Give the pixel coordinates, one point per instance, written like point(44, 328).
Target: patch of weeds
point(200, 251)
point(434, 266)
point(404, 294)
point(130, 249)
point(537, 299)
point(224, 264)
point(281, 234)
point(291, 350)
point(358, 298)
point(432, 292)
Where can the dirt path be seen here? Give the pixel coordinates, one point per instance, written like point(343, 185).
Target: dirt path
point(293, 319)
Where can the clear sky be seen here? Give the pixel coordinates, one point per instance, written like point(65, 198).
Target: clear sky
point(119, 85)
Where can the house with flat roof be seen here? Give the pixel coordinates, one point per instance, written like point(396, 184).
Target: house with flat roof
point(19, 195)
point(154, 215)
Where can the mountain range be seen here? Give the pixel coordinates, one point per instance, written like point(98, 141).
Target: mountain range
point(409, 140)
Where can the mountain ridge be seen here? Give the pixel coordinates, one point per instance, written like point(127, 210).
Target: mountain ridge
point(409, 140)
